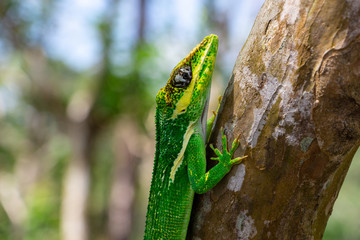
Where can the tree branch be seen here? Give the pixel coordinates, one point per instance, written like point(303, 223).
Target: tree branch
point(294, 96)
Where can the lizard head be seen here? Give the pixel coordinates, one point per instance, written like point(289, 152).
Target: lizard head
point(185, 93)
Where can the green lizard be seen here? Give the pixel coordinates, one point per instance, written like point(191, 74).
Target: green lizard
point(180, 158)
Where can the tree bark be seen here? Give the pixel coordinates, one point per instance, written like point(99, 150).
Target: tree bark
point(294, 96)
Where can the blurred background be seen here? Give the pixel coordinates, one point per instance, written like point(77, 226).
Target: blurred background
point(78, 81)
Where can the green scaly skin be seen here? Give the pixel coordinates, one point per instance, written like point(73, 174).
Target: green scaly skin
point(180, 158)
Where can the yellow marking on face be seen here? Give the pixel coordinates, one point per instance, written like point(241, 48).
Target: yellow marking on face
point(204, 56)
point(198, 69)
point(184, 101)
point(180, 157)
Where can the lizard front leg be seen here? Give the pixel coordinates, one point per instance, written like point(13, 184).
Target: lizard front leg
point(200, 180)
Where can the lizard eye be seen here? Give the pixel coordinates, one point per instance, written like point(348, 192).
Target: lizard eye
point(182, 77)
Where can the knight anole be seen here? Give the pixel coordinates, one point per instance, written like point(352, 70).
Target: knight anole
point(180, 158)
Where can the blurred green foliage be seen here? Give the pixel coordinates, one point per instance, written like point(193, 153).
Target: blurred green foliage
point(343, 222)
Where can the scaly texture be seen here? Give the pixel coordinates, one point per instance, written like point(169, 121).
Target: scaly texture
point(180, 159)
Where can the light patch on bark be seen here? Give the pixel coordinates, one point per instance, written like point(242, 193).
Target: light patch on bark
point(229, 127)
point(236, 181)
point(268, 93)
point(206, 207)
point(278, 131)
point(290, 11)
point(251, 80)
point(305, 143)
point(266, 58)
point(245, 227)
point(267, 223)
point(292, 105)
point(327, 183)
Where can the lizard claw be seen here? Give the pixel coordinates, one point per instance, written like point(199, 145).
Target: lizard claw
point(237, 160)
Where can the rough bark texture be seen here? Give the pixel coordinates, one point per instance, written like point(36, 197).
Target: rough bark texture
point(295, 97)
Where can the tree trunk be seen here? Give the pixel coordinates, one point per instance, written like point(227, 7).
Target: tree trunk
point(76, 190)
point(127, 158)
point(294, 96)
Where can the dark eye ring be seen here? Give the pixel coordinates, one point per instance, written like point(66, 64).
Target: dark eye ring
point(183, 77)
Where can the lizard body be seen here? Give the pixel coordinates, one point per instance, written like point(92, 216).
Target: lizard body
point(180, 159)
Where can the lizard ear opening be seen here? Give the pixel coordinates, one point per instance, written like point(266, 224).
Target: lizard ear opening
point(182, 77)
